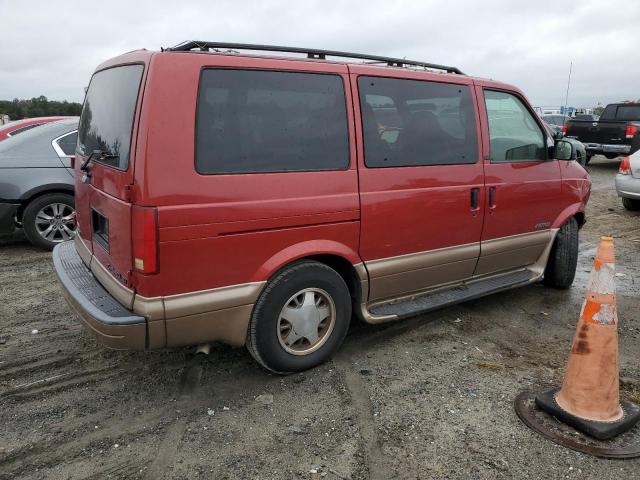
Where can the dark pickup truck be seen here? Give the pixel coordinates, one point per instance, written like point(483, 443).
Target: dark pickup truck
point(616, 133)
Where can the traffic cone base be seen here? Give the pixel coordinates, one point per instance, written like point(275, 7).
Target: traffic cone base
point(547, 401)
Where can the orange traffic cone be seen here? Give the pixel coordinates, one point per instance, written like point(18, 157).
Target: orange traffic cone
point(589, 399)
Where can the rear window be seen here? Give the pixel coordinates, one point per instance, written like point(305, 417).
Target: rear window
point(23, 129)
point(251, 121)
point(628, 112)
point(107, 116)
point(557, 120)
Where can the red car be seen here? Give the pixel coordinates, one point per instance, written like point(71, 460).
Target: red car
point(262, 201)
point(19, 126)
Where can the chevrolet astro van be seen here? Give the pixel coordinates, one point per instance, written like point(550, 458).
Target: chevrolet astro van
point(228, 193)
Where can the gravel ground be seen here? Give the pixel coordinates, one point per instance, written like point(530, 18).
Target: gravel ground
point(426, 398)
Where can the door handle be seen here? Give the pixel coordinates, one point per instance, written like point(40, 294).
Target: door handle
point(492, 197)
point(474, 198)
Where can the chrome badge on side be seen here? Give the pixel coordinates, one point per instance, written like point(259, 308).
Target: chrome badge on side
point(542, 226)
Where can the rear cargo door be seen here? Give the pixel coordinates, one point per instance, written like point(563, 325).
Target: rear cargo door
point(107, 133)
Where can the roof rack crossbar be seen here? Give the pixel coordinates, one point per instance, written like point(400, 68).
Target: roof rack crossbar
point(309, 52)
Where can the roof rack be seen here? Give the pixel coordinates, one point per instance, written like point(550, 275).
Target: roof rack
point(310, 52)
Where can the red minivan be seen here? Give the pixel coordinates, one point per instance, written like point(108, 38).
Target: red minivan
point(263, 200)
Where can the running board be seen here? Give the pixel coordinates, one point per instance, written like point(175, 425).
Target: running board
point(431, 301)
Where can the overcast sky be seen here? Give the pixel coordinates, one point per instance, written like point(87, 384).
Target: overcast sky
point(51, 48)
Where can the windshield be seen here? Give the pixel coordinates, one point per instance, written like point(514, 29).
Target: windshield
point(107, 116)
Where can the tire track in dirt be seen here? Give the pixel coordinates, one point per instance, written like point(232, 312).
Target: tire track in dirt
point(370, 443)
point(63, 373)
point(169, 446)
point(127, 469)
point(60, 382)
point(46, 453)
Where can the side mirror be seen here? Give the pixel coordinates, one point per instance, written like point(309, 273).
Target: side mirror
point(564, 150)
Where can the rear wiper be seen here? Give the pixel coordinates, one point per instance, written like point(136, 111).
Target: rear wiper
point(96, 155)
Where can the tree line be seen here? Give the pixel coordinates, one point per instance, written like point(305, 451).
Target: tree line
point(38, 107)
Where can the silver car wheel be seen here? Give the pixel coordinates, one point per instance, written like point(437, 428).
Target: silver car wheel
point(55, 222)
point(306, 321)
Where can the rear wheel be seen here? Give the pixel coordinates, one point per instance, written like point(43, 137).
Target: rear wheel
point(563, 259)
point(300, 319)
point(611, 156)
point(49, 220)
point(631, 204)
point(588, 158)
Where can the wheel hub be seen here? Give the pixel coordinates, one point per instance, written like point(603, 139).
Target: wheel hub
point(306, 321)
point(55, 222)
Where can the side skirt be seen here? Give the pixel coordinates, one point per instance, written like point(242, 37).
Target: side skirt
point(418, 304)
point(446, 295)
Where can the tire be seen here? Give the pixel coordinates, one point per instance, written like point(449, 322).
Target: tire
point(631, 204)
point(289, 291)
point(563, 259)
point(611, 156)
point(59, 207)
point(588, 159)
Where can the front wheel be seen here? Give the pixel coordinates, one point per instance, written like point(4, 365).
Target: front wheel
point(300, 319)
point(588, 158)
point(631, 204)
point(49, 220)
point(563, 259)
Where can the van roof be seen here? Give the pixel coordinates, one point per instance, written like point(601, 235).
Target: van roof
point(374, 62)
point(311, 53)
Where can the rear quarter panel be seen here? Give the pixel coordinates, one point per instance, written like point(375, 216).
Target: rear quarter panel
point(218, 230)
point(25, 183)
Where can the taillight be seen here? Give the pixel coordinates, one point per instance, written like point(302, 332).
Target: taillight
point(631, 131)
point(145, 239)
point(564, 128)
point(625, 166)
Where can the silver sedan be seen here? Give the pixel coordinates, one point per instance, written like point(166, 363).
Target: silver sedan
point(628, 181)
point(36, 183)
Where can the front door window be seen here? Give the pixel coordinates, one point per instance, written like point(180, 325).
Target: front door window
point(515, 135)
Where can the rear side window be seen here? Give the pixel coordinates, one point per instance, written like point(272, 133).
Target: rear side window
point(514, 134)
point(412, 123)
point(107, 116)
point(67, 144)
point(252, 121)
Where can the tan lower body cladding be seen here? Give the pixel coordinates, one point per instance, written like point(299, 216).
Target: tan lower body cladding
point(220, 314)
point(223, 314)
point(394, 277)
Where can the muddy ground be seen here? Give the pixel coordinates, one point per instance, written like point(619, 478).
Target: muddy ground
point(426, 398)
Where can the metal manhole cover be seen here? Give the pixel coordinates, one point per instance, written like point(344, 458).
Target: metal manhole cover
point(625, 445)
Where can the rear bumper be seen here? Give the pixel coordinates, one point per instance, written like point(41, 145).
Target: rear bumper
point(628, 186)
point(7, 217)
point(113, 325)
point(607, 148)
point(124, 320)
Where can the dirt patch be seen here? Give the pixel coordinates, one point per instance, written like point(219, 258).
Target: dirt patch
point(430, 397)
